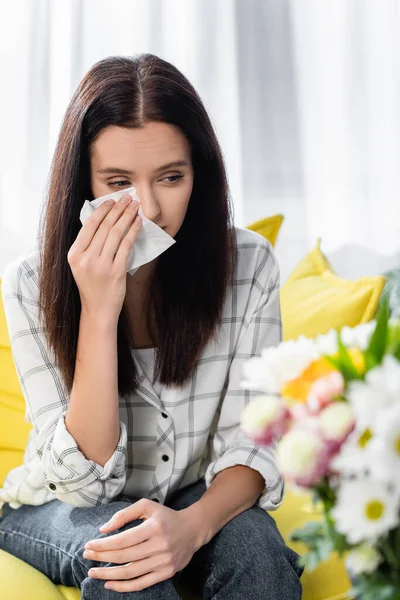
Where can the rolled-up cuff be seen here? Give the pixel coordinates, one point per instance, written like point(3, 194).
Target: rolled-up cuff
point(66, 468)
point(258, 459)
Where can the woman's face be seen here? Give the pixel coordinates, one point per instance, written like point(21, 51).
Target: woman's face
point(143, 157)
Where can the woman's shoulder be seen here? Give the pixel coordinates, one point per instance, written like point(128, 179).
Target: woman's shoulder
point(20, 276)
point(255, 253)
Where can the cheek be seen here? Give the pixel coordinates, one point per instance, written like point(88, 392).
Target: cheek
point(175, 206)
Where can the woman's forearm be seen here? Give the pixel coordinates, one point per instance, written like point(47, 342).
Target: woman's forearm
point(92, 417)
point(232, 491)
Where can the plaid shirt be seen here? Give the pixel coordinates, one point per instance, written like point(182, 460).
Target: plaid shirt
point(169, 437)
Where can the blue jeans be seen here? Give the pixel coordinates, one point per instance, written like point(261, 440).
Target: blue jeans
point(246, 559)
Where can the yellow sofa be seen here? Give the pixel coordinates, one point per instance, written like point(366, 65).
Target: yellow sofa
point(19, 580)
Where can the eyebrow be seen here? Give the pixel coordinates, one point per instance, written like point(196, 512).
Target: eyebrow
point(176, 163)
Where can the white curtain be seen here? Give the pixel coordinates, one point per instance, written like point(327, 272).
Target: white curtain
point(347, 65)
point(304, 96)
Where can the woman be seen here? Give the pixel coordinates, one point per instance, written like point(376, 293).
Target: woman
point(132, 383)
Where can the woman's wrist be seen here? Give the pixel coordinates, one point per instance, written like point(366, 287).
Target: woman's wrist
point(200, 524)
point(99, 321)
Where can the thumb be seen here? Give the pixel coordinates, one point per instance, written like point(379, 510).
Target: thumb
point(142, 509)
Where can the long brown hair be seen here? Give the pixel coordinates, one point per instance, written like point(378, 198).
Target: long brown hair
point(191, 279)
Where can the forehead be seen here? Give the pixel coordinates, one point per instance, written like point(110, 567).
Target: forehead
point(147, 146)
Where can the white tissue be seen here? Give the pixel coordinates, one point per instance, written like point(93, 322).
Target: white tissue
point(151, 241)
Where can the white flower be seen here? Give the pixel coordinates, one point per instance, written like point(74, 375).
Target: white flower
point(385, 444)
point(359, 336)
point(327, 343)
point(380, 390)
point(355, 456)
point(363, 559)
point(365, 510)
point(352, 337)
point(258, 376)
point(277, 365)
point(336, 421)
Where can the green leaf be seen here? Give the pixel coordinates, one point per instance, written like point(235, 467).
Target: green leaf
point(310, 560)
point(370, 361)
point(319, 545)
point(377, 343)
point(347, 366)
point(389, 548)
point(308, 533)
point(393, 341)
point(335, 362)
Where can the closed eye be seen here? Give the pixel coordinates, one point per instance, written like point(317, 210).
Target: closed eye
point(123, 183)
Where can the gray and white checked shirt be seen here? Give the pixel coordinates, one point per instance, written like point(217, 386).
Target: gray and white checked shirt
point(169, 437)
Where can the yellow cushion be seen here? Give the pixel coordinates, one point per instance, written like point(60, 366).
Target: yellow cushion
point(314, 299)
point(268, 228)
point(22, 581)
point(13, 427)
point(33, 585)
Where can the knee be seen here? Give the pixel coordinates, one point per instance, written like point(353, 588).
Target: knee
point(249, 534)
point(252, 542)
point(81, 565)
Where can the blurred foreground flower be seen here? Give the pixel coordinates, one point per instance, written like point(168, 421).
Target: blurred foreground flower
point(332, 408)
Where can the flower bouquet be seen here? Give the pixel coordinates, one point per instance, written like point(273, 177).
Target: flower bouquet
point(331, 406)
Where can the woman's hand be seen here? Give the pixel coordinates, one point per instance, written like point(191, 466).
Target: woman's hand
point(98, 257)
point(154, 550)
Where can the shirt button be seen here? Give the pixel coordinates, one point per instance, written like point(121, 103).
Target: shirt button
point(165, 415)
point(165, 457)
point(52, 486)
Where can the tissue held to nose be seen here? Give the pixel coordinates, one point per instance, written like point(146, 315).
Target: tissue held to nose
point(151, 241)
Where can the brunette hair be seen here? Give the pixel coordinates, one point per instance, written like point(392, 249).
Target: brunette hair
point(191, 279)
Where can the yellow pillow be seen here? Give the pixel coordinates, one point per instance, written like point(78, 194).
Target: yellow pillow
point(13, 427)
point(268, 228)
point(314, 299)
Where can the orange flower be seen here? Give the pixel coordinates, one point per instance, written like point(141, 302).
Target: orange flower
point(298, 389)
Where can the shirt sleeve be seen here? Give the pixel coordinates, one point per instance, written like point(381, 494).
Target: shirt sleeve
point(261, 327)
point(68, 474)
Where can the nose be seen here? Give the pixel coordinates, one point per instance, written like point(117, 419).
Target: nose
point(150, 207)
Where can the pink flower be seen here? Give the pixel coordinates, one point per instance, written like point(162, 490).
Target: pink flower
point(275, 430)
point(264, 419)
point(303, 455)
point(337, 421)
point(324, 391)
point(299, 411)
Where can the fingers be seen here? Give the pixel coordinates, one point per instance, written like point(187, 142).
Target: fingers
point(121, 257)
point(126, 571)
point(89, 228)
point(130, 554)
point(139, 584)
point(119, 231)
point(106, 227)
point(140, 509)
point(124, 539)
